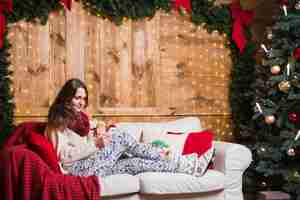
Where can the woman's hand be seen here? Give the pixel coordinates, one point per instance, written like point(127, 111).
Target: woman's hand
point(102, 136)
point(102, 133)
point(99, 142)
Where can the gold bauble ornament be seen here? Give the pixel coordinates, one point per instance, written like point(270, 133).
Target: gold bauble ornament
point(284, 86)
point(275, 69)
point(269, 119)
point(269, 33)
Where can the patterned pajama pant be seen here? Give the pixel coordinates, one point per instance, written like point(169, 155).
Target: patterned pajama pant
point(109, 160)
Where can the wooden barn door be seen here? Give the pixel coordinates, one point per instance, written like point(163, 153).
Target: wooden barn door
point(150, 70)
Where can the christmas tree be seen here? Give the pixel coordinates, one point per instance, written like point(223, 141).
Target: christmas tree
point(276, 122)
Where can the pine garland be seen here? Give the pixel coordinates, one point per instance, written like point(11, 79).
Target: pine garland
point(33, 10)
point(6, 98)
point(116, 10)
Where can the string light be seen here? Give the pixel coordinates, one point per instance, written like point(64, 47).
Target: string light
point(284, 10)
point(264, 48)
point(288, 69)
point(202, 51)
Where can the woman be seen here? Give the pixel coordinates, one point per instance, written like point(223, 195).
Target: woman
point(84, 152)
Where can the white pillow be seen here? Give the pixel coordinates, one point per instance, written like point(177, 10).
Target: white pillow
point(135, 129)
point(179, 126)
point(149, 131)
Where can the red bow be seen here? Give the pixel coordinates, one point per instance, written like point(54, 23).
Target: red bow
point(297, 53)
point(284, 3)
point(67, 3)
point(5, 6)
point(241, 18)
point(186, 4)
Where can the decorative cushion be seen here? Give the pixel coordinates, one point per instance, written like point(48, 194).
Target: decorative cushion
point(135, 129)
point(201, 143)
point(41, 146)
point(155, 130)
point(198, 142)
point(170, 183)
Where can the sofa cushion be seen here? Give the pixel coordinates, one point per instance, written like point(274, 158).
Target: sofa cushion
point(135, 129)
point(119, 184)
point(202, 144)
point(170, 183)
point(156, 130)
point(198, 142)
point(171, 128)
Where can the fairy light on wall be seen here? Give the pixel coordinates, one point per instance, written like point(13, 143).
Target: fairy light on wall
point(203, 54)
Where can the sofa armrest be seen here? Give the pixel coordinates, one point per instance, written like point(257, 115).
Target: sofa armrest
point(232, 159)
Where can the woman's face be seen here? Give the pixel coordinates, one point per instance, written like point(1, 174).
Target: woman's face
point(78, 101)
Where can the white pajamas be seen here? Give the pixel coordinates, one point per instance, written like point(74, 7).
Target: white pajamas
point(79, 155)
point(123, 155)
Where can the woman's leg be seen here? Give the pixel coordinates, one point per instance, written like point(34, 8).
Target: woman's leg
point(137, 149)
point(185, 164)
point(137, 165)
point(101, 162)
point(148, 154)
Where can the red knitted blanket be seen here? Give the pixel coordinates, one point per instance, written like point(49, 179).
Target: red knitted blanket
point(25, 175)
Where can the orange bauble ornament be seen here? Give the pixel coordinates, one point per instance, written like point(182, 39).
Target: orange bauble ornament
point(275, 69)
point(269, 119)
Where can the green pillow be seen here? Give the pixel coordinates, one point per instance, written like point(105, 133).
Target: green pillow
point(160, 143)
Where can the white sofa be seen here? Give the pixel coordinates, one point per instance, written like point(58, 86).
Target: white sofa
point(224, 182)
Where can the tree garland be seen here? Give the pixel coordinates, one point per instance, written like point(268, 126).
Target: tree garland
point(203, 12)
point(6, 98)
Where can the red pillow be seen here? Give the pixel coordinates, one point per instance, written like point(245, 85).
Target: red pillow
point(199, 142)
point(40, 145)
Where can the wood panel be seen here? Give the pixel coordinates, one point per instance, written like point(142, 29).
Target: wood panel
point(147, 70)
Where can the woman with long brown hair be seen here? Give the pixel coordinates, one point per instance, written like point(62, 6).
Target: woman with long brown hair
point(82, 151)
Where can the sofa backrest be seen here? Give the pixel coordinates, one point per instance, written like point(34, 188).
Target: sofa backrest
point(172, 132)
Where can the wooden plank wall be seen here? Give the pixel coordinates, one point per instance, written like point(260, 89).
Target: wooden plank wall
point(157, 69)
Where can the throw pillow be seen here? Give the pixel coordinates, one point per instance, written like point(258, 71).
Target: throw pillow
point(160, 143)
point(201, 143)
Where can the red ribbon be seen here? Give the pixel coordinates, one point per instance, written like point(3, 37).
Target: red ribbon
point(186, 4)
point(284, 2)
point(297, 53)
point(67, 3)
point(5, 6)
point(241, 18)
